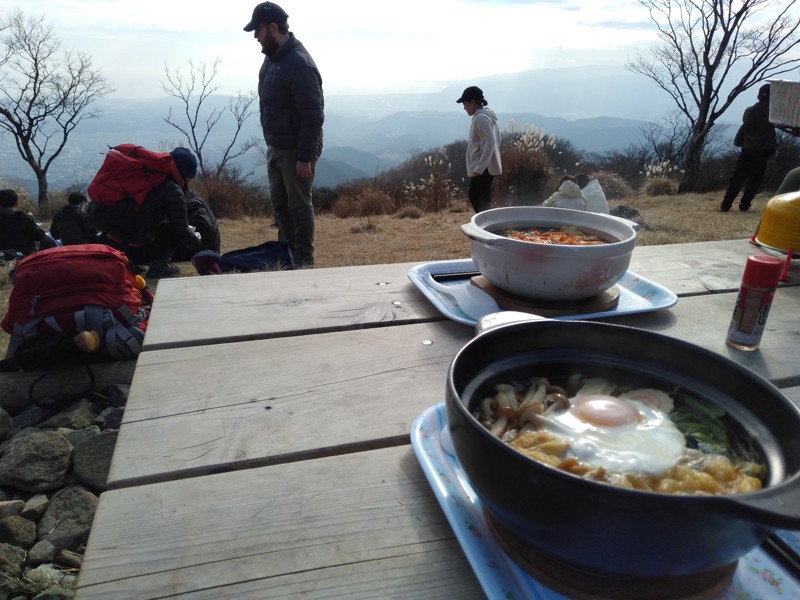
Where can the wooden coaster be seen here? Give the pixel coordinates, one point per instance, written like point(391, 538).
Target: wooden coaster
point(549, 308)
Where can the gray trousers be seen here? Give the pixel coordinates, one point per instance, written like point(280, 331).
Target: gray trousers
point(291, 198)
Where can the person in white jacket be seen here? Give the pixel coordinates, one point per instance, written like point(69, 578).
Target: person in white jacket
point(483, 148)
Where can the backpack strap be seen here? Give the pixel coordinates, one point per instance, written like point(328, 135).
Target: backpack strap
point(121, 341)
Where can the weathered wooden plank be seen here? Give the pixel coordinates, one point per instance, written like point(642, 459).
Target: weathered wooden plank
point(700, 267)
point(220, 308)
point(704, 320)
point(210, 408)
point(363, 525)
point(60, 383)
point(793, 393)
point(215, 309)
point(204, 409)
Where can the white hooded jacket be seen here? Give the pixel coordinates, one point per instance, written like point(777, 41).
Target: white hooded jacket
point(483, 144)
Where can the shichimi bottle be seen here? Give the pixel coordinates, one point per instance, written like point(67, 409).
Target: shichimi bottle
point(760, 278)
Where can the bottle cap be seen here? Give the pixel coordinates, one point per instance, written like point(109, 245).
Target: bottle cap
point(762, 271)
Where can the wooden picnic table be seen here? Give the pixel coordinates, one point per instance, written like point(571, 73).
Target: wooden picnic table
point(265, 449)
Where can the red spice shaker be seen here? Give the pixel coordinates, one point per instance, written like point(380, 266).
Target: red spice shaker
point(760, 278)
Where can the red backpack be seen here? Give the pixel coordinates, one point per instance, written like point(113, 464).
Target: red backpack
point(86, 287)
point(131, 170)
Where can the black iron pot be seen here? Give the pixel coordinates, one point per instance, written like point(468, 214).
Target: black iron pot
point(598, 527)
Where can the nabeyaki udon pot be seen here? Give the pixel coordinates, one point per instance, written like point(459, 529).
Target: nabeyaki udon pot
point(546, 271)
point(598, 527)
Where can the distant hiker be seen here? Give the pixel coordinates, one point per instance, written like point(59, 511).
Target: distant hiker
point(483, 148)
point(593, 193)
point(149, 233)
point(757, 139)
point(19, 233)
point(71, 224)
point(202, 218)
point(292, 113)
point(568, 195)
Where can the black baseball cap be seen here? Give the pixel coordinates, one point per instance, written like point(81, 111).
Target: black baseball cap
point(473, 92)
point(266, 12)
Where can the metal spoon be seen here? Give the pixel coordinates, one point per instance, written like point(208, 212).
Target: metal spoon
point(472, 300)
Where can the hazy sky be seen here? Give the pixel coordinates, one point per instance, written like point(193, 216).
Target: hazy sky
point(360, 46)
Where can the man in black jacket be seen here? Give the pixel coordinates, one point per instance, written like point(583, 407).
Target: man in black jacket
point(71, 225)
point(19, 233)
point(756, 137)
point(292, 113)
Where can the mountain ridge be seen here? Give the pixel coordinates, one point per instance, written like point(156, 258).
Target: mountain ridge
point(597, 109)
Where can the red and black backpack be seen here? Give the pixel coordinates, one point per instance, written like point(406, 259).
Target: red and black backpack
point(85, 287)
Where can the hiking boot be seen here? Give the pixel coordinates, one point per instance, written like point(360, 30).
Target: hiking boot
point(158, 270)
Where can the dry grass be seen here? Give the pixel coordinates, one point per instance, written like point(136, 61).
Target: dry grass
point(437, 236)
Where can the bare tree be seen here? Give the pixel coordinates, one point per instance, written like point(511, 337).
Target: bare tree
point(45, 92)
point(194, 91)
point(715, 45)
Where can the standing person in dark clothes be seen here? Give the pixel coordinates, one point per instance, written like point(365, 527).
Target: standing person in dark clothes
point(483, 148)
point(292, 112)
point(19, 233)
point(757, 139)
point(71, 225)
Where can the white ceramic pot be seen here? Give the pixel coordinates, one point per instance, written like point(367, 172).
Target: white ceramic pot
point(546, 271)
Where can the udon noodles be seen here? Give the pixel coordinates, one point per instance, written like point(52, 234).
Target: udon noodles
point(638, 438)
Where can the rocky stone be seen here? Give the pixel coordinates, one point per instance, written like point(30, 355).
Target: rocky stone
point(42, 552)
point(76, 436)
point(50, 574)
point(67, 521)
point(38, 486)
point(92, 459)
point(6, 423)
point(11, 560)
point(110, 418)
point(36, 461)
point(56, 593)
point(35, 506)
point(118, 395)
point(77, 416)
point(11, 507)
point(30, 416)
point(18, 531)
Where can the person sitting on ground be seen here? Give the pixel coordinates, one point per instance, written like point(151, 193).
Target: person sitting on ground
point(19, 233)
point(71, 225)
point(161, 225)
point(202, 218)
point(568, 195)
point(593, 193)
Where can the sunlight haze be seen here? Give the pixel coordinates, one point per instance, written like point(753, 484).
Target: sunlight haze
point(360, 47)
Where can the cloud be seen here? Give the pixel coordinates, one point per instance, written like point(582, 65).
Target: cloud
point(360, 47)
